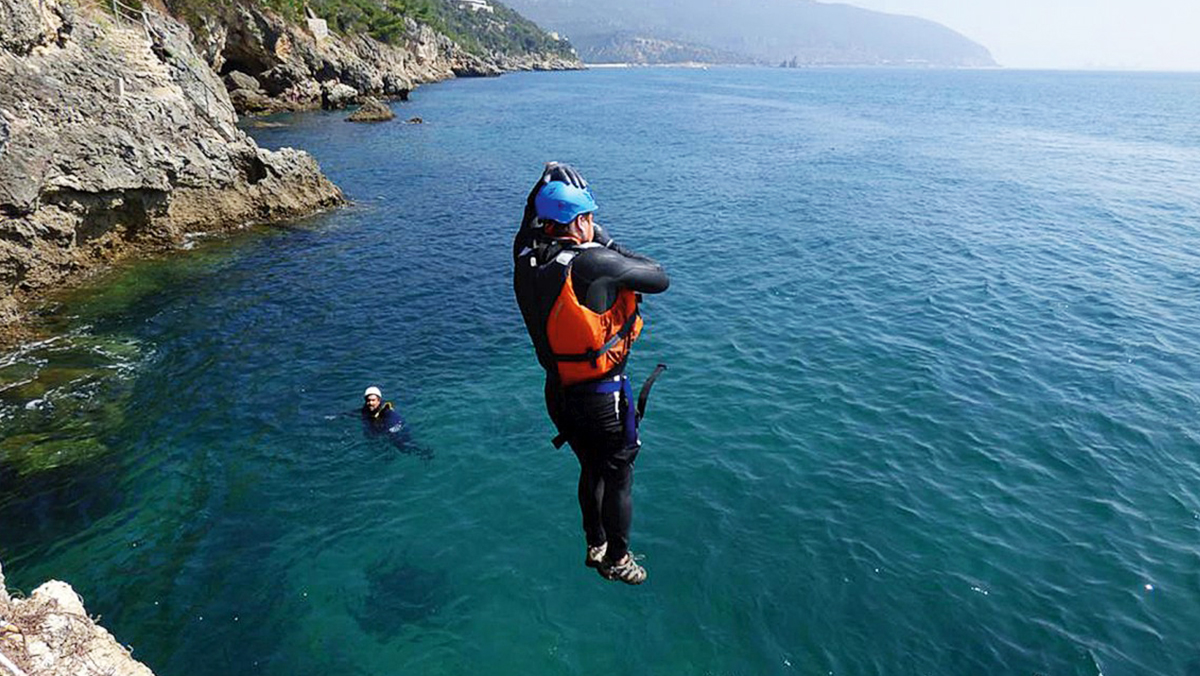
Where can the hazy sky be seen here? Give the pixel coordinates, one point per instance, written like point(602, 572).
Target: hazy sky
point(1141, 34)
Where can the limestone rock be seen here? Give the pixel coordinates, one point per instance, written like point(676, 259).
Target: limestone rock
point(335, 95)
point(57, 638)
point(371, 111)
point(236, 79)
point(251, 100)
point(298, 70)
point(24, 26)
point(281, 78)
point(113, 142)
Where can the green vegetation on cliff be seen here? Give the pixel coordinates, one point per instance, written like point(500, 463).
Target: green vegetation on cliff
point(478, 27)
point(382, 19)
point(499, 30)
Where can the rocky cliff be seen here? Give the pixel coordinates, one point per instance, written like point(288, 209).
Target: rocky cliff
point(50, 634)
point(271, 64)
point(117, 126)
point(625, 47)
point(116, 137)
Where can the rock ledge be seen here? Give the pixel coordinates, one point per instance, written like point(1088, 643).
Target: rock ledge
point(50, 634)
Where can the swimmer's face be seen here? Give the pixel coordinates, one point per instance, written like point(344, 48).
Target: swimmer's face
point(373, 401)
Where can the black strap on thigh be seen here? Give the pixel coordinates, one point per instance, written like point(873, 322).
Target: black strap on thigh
point(644, 395)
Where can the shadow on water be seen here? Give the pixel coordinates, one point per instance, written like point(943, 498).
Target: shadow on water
point(398, 594)
point(36, 508)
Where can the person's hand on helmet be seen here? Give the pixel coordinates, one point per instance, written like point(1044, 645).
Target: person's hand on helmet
point(554, 171)
point(561, 171)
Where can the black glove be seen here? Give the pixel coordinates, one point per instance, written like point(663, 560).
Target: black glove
point(554, 171)
point(599, 236)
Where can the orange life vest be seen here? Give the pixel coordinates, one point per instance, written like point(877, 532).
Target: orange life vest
point(588, 345)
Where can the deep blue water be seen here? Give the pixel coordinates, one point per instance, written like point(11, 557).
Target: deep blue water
point(931, 406)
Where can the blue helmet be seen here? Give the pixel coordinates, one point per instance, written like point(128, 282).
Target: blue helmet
point(562, 202)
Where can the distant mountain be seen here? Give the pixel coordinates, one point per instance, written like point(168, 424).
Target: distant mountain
point(624, 47)
point(803, 32)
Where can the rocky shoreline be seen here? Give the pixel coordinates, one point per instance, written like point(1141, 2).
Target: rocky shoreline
point(271, 65)
point(50, 634)
point(117, 139)
point(118, 131)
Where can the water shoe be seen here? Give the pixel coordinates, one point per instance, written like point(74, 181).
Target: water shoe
point(626, 570)
point(595, 555)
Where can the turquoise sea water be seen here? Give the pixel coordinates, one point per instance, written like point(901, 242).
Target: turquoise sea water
point(931, 405)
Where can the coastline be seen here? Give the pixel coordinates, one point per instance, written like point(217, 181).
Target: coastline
point(81, 190)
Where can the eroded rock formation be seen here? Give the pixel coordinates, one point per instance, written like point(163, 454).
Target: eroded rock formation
point(50, 634)
point(372, 110)
point(114, 137)
point(271, 65)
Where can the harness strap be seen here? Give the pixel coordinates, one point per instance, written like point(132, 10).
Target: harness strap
point(644, 395)
point(613, 386)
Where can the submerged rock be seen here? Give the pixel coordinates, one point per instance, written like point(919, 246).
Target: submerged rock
point(372, 111)
point(30, 454)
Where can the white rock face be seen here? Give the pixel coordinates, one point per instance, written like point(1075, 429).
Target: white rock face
point(50, 634)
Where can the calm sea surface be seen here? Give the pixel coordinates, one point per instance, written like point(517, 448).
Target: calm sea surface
point(934, 350)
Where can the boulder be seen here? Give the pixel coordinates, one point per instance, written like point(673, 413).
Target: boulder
point(283, 77)
point(251, 100)
point(55, 636)
point(236, 79)
point(335, 95)
point(371, 111)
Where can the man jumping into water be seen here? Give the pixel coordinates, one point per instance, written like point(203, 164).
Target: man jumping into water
point(579, 291)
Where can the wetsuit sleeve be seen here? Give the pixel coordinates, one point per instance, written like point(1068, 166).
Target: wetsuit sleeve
point(602, 238)
point(599, 273)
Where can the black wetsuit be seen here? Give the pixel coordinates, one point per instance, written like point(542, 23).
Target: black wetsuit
point(596, 418)
point(382, 419)
point(386, 421)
